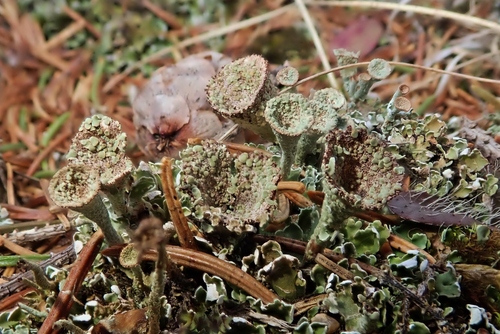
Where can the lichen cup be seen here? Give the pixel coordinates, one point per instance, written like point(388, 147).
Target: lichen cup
point(240, 90)
point(289, 117)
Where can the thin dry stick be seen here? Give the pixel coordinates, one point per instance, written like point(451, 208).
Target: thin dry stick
point(302, 306)
point(82, 265)
point(12, 300)
point(64, 35)
point(298, 199)
point(228, 133)
point(241, 148)
point(333, 267)
point(184, 234)
point(194, 40)
point(317, 41)
point(11, 196)
point(169, 18)
point(440, 13)
point(77, 17)
point(394, 63)
point(49, 58)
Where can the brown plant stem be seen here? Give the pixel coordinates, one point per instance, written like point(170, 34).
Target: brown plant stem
point(209, 264)
point(298, 199)
point(184, 233)
point(13, 299)
point(295, 186)
point(64, 300)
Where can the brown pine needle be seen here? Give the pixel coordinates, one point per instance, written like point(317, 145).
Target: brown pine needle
point(214, 266)
point(405, 246)
point(64, 34)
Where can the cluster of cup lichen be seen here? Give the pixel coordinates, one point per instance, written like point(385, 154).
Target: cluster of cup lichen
point(358, 159)
point(236, 191)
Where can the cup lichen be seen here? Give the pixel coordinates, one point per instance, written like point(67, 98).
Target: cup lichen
point(76, 187)
point(240, 90)
point(101, 143)
point(287, 76)
point(289, 117)
point(234, 191)
point(324, 107)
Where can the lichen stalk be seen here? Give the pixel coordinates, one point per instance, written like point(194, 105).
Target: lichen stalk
point(157, 287)
point(128, 259)
point(363, 85)
point(324, 106)
point(150, 235)
point(333, 214)
point(345, 57)
point(392, 108)
point(116, 192)
point(289, 117)
point(40, 279)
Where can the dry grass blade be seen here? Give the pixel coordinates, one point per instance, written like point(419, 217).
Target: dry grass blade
point(460, 18)
point(317, 41)
point(393, 63)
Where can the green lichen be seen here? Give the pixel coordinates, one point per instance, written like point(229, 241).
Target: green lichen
point(287, 76)
point(101, 144)
point(289, 117)
point(240, 90)
point(365, 174)
point(76, 187)
point(234, 191)
point(324, 107)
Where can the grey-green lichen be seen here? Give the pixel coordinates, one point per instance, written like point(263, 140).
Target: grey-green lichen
point(463, 179)
point(76, 187)
point(287, 76)
point(240, 90)
point(279, 270)
point(289, 117)
point(235, 191)
point(100, 143)
point(324, 107)
point(362, 169)
point(345, 57)
point(366, 175)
